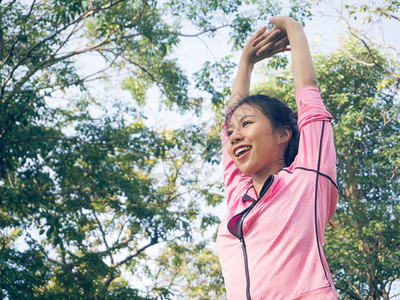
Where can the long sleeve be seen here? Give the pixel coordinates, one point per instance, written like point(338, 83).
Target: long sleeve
point(283, 230)
point(235, 181)
point(316, 147)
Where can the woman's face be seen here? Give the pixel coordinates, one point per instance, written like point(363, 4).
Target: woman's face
point(254, 144)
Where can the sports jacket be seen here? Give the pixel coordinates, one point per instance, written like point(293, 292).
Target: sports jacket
point(270, 247)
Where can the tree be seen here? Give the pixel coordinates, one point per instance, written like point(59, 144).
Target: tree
point(371, 265)
point(188, 272)
point(80, 187)
point(363, 253)
point(368, 21)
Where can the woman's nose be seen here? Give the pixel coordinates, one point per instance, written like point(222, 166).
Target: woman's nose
point(236, 136)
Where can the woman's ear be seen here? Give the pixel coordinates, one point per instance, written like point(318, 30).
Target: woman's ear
point(285, 134)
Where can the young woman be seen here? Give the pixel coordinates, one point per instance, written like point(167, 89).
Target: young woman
point(280, 180)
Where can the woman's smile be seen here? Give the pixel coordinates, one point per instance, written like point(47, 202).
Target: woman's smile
point(241, 151)
point(254, 144)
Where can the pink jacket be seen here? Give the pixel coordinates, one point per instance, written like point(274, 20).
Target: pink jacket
point(271, 248)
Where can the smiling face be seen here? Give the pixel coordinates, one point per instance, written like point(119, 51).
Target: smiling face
point(256, 147)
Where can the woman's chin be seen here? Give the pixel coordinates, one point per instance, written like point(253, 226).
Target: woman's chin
point(247, 171)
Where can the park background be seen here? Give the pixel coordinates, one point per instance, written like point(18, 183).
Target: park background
point(110, 113)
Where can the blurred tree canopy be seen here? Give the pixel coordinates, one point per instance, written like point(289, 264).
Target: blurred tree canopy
point(360, 85)
point(363, 253)
point(85, 185)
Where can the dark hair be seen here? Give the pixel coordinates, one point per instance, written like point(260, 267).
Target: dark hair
point(279, 114)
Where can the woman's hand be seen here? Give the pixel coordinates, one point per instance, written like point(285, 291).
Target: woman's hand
point(302, 64)
point(282, 22)
point(264, 44)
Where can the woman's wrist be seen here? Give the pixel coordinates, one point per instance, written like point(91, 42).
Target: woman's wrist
point(293, 25)
point(246, 65)
point(286, 23)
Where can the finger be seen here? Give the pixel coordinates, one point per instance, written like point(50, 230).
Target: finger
point(281, 44)
point(273, 20)
point(272, 47)
point(267, 36)
point(266, 48)
point(284, 42)
point(284, 49)
point(281, 50)
point(259, 32)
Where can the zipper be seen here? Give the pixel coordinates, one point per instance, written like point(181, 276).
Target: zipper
point(242, 215)
point(246, 268)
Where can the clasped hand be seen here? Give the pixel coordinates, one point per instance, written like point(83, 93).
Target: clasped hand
point(264, 44)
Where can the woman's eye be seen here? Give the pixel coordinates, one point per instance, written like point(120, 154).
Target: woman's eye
point(229, 132)
point(246, 123)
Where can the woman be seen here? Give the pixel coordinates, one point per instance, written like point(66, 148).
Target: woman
point(280, 180)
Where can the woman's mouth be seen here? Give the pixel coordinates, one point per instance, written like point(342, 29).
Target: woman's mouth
point(242, 150)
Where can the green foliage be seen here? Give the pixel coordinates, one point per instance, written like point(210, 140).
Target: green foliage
point(369, 21)
point(86, 186)
point(93, 195)
point(22, 273)
point(214, 79)
point(363, 254)
point(194, 272)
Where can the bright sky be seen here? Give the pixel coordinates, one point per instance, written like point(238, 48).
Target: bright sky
point(323, 33)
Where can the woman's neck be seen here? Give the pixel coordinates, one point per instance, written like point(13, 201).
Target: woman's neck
point(260, 177)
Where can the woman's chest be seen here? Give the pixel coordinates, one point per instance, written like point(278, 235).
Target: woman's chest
point(285, 208)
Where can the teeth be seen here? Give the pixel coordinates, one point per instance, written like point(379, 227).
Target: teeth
point(241, 149)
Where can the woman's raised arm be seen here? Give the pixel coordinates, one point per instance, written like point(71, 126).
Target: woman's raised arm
point(271, 42)
point(302, 64)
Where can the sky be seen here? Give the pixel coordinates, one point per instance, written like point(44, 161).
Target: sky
point(324, 32)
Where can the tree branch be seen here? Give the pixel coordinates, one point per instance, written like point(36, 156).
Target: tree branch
point(48, 138)
point(30, 51)
point(362, 38)
point(374, 62)
point(193, 34)
point(1, 44)
point(138, 251)
point(48, 62)
point(15, 39)
point(103, 235)
point(358, 33)
point(385, 12)
point(350, 293)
